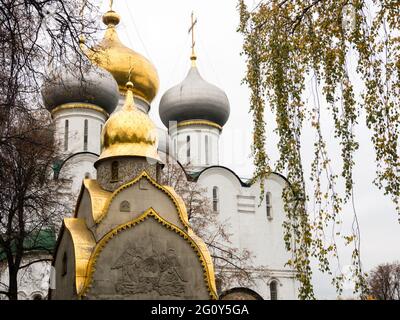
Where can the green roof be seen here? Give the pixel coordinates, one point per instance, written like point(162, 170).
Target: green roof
point(42, 241)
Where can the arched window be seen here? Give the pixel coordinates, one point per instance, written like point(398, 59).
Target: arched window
point(114, 171)
point(206, 149)
point(188, 148)
point(268, 205)
point(85, 135)
point(273, 288)
point(215, 199)
point(37, 296)
point(125, 206)
point(66, 134)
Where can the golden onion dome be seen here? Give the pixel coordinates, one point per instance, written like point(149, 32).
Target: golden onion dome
point(129, 132)
point(124, 63)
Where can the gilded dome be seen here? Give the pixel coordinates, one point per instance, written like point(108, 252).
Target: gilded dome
point(124, 63)
point(194, 99)
point(129, 132)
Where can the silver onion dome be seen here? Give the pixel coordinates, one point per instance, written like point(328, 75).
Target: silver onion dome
point(194, 99)
point(92, 85)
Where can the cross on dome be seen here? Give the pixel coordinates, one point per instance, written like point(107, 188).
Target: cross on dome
point(191, 30)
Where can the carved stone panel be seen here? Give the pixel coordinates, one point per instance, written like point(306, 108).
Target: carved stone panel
point(143, 272)
point(148, 261)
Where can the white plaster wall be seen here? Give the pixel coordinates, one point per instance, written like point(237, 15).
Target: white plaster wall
point(263, 237)
point(78, 165)
point(76, 169)
point(76, 118)
point(197, 135)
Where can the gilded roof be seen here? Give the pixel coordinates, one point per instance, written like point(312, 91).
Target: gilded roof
point(83, 243)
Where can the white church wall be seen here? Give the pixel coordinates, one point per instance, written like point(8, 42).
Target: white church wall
point(199, 157)
point(76, 126)
point(241, 211)
point(76, 169)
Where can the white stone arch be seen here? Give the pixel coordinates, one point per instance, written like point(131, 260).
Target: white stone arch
point(278, 285)
point(35, 294)
point(22, 295)
point(240, 293)
point(274, 279)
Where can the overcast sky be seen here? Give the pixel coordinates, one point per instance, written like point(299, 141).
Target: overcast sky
point(159, 30)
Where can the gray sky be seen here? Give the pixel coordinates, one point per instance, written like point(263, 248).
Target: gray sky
point(159, 30)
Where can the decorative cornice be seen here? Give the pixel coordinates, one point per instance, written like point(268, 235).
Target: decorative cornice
point(69, 106)
point(208, 274)
point(199, 123)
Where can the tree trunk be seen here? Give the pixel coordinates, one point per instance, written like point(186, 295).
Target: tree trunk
point(13, 283)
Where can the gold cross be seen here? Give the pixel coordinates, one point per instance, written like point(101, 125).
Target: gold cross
point(191, 30)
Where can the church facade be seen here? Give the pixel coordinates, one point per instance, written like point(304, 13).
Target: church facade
point(194, 113)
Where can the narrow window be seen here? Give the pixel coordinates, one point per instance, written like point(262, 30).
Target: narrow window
point(210, 149)
point(175, 148)
point(66, 134)
point(85, 135)
point(215, 199)
point(114, 171)
point(188, 149)
point(206, 147)
point(268, 205)
point(64, 265)
point(273, 288)
point(101, 130)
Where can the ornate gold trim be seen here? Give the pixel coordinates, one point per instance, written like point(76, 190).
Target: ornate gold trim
point(178, 202)
point(84, 243)
point(79, 105)
point(208, 274)
point(199, 122)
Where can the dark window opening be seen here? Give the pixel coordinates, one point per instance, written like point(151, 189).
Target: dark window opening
point(273, 287)
point(114, 171)
point(37, 297)
point(215, 199)
point(188, 149)
point(66, 134)
point(85, 135)
point(268, 205)
point(64, 265)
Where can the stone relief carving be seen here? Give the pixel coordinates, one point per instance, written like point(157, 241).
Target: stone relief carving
point(32, 280)
point(144, 272)
point(125, 206)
